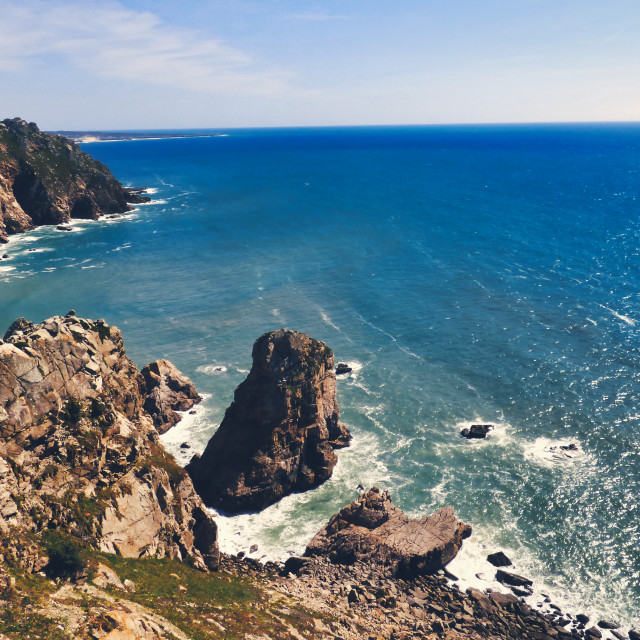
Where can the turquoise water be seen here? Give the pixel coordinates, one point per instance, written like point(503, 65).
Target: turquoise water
point(468, 273)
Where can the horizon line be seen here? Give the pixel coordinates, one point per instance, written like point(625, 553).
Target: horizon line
point(353, 126)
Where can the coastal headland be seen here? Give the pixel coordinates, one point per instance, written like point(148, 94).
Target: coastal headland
point(104, 536)
point(48, 180)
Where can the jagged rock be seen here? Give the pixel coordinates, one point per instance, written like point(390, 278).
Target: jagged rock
point(48, 179)
point(373, 530)
point(512, 579)
point(106, 576)
point(280, 433)
point(79, 453)
point(342, 369)
point(167, 391)
point(634, 635)
point(294, 564)
point(476, 431)
point(499, 559)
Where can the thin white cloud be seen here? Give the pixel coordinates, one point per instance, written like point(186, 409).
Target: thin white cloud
point(111, 41)
point(315, 17)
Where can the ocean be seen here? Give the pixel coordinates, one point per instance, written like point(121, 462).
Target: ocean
point(468, 274)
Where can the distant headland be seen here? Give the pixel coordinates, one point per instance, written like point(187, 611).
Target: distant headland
point(47, 180)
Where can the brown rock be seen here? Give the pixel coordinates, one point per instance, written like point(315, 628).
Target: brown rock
point(279, 435)
point(373, 530)
point(167, 391)
point(79, 454)
point(48, 179)
point(512, 579)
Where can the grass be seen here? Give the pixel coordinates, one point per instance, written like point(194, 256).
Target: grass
point(202, 605)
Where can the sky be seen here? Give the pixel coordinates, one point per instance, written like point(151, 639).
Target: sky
point(143, 64)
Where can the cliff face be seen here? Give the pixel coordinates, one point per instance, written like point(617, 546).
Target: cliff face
point(280, 433)
point(79, 453)
point(47, 179)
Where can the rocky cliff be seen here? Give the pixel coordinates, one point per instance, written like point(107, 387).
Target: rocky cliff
point(79, 453)
point(373, 530)
point(48, 179)
point(279, 434)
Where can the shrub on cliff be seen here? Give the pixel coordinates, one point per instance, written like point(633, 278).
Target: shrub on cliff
point(65, 555)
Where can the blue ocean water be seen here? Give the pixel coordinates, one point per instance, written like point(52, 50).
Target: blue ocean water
point(469, 274)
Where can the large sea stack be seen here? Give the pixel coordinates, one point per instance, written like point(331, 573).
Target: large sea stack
point(279, 434)
point(373, 530)
point(79, 453)
point(48, 179)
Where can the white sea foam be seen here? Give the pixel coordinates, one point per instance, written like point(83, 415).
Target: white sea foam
point(194, 429)
point(212, 369)
point(146, 204)
point(551, 452)
point(620, 316)
point(151, 190)
point(327, 320)
point(285, 528)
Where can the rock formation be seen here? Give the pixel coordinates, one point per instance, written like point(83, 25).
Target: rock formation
point(279, 434)
point(79, 453)
point(47, 179)
point(476, 431)
point(168, 391)
point(373, 530)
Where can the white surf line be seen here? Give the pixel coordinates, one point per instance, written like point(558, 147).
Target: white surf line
point(393, 338)
point(620, 316)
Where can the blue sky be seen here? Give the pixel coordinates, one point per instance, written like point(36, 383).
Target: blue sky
point(233, 63)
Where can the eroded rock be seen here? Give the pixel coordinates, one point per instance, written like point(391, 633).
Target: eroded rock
point(48, 179)
point(167, 391)
point(372, 529)
point(78, 452)
point(279, 435)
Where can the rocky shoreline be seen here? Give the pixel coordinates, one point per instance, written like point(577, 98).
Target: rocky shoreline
point(87, 490)
point(48, 180)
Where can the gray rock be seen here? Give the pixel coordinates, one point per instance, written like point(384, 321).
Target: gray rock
point(167, 391)
point(512, 579)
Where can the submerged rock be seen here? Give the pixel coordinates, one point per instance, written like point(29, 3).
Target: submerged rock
point(373, 530)
point(279, 434)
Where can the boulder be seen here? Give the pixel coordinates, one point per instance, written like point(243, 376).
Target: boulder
point(608, 624)
point(279, 434)
point(342, 369)
point(512, 579)
point(373, 530)
point(167, 391)
point(476, 431)
point(499, 559)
